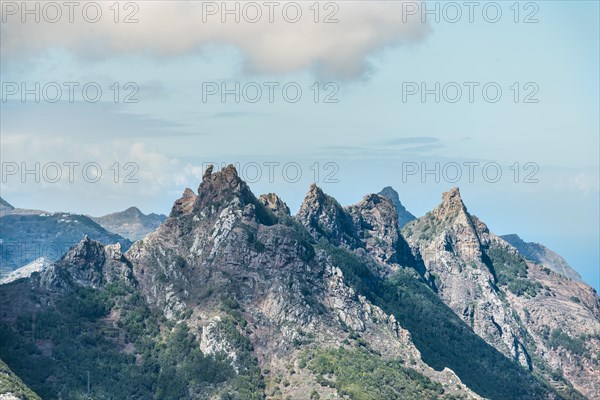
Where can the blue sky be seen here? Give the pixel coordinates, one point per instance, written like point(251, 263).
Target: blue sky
point(369, 135)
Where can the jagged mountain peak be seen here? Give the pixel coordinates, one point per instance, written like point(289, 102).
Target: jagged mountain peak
point(261, 295)
point(274, 203)
point(373, 198)
point(323, 216)
point(316, 202)
point(389, 192)
point(85, 248)
point(222, 188)
point(379, 212)
point(316, 196)
point(404, 216)
point(90, 251)
point(450, 215)
point(88, 263)
point(226, 177)
point(184, 204)
point(512, 237)
point(188, 193)
point(369, 225)
point(375, 221)
point(315, 193)
point(452, 201)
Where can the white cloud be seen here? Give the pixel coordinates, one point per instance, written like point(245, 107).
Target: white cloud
point(168, 29)
point(125, 170)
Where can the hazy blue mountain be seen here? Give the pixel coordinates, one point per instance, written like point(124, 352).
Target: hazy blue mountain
point(131, 223)
point(4, 205)
point(540, 254)
point(26, 235)
point(404, 216)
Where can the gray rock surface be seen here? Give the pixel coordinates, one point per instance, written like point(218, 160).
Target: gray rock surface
point(482, 279)
point(322, 278)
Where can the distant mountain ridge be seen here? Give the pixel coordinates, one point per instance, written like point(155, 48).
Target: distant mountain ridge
point(540, 254)
point(4, 205)
point(131, 223)
point(26, 235)
point(404, 216)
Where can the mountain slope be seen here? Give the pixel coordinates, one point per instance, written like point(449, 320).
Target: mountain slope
point(12, 388)
point(233, 298)
point(442, 339)
point(224, 299)
point(5, 206)
point(489, 285)
point(25, 271)
point(542, 255)
point(131, 223)
point(404, 216)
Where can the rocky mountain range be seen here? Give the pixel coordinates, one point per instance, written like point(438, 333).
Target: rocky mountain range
point(131, 223)
point(231, 297)
point(26, 235)
point(523, 309)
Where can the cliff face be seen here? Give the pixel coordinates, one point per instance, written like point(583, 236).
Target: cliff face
point(489, 284)
point(452, 245)
point(225, 242)
point(231, 297)
point(369, 227)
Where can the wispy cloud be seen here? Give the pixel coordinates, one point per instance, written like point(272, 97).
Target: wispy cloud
point(237, 114)
point(80, 119)
point(410, 140)
point(585, 183)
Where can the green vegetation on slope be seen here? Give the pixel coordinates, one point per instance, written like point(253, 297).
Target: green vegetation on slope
point(443, 339)
point(511, 271)
point(10, 383)
point(56, 349)
point(559, 338)
point(362, 375)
